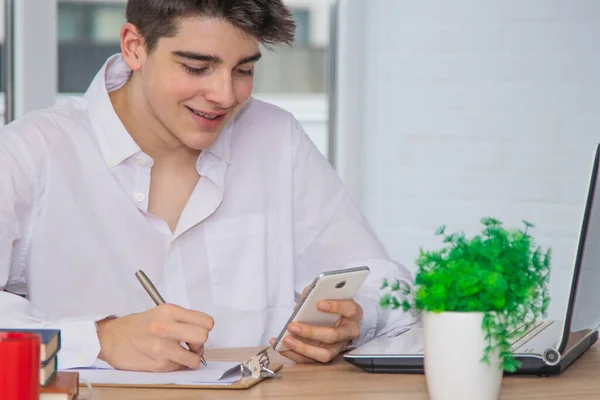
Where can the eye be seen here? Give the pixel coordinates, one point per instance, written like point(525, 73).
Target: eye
point(246, 72)
point(194, 71)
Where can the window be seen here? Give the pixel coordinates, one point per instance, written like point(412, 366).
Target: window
point(88, 33)
point(302, 18)
point(87, 22)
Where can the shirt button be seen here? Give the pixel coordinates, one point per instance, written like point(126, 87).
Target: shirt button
point(142, 161)
point(111, 163)
point(228, 159)
point(140, 196)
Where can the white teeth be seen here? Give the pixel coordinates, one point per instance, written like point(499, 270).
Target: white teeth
point(204, 115)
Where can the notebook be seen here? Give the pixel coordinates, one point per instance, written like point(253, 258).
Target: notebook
point(215, 375)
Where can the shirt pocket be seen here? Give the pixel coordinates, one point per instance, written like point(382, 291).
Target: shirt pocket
point(238, 261)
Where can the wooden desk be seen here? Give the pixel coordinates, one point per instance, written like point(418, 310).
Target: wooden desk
point(341, 380)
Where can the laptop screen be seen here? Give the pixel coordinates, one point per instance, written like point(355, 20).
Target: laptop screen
point(583, 311)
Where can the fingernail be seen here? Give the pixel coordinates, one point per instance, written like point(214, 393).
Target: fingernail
point(295, 329)
point(289, 341)
point(323, 307)
point(272, 341)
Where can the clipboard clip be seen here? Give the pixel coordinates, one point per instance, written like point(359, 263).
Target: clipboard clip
point(255, 368)
point(258, 366)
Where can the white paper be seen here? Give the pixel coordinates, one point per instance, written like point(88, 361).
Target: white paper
point(203, 375)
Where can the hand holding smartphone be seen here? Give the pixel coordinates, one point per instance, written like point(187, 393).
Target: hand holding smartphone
point(332, 285)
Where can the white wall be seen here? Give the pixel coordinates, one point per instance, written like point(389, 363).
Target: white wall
point(35, 55)
point(467, 109)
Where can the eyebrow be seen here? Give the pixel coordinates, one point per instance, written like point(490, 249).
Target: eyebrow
point(191, 55)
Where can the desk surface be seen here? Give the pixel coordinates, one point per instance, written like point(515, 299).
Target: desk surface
point(340, 380)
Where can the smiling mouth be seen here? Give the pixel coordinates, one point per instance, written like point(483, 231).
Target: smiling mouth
point(210, 117)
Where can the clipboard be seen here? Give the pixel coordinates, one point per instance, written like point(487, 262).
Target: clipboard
point(251, 372)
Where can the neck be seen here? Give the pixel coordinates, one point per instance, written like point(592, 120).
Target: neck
point(145, 128)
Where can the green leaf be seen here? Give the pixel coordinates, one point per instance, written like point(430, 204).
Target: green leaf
point(441, 230)
point(500, 271)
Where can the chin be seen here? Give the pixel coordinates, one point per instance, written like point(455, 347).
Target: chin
point(200, 141)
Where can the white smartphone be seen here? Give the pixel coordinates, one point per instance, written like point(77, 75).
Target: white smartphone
point(332, 285)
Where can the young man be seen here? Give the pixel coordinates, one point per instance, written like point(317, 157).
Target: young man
point(169, 166)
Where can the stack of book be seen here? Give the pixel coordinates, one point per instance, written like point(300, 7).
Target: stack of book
point(54, 384)
point(64, 386)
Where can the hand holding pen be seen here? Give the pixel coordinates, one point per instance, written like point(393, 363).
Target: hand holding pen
point(157, 298)
point(152, 340)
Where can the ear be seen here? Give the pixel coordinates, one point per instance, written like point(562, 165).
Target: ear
point(133, 48)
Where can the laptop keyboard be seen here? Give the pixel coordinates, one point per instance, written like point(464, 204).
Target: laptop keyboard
point(529, 335)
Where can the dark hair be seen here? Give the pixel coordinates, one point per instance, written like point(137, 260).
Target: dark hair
point(268, 21)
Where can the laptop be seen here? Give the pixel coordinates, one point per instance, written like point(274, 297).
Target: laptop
point(546, 349)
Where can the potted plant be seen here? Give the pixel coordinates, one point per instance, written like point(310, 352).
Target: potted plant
point(476, 296)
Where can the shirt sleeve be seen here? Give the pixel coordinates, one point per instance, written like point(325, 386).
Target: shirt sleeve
point(331, 233)
point(19, 192)
point(79, 341)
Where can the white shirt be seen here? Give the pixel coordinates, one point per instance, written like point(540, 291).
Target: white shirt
point(267, 215)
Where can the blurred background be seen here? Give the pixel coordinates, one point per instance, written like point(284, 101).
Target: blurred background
point(432, 112)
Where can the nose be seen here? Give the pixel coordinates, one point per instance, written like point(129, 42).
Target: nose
point(221, 91)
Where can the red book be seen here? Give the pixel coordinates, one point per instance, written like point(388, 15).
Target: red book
point(64, 386)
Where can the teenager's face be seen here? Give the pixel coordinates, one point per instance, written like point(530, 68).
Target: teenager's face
point(196, 81)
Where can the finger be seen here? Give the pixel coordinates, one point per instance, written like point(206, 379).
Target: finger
point(346, 308)
point(174, 352)
point(198, 349)
point(301, 297)
point(169, 329)
point(343, 332)
point(163, 366)
point(186, 316)
point(304, 291)
point(191, 334)
point(297, 358)
point(323, 353)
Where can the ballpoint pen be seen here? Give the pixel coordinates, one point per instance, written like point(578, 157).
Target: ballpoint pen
point(158, 300)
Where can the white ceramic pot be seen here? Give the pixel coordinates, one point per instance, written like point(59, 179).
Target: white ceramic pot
point(453, 347)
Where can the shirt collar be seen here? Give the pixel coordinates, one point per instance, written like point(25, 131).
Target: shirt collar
point(116, 143)
point(221, 147)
